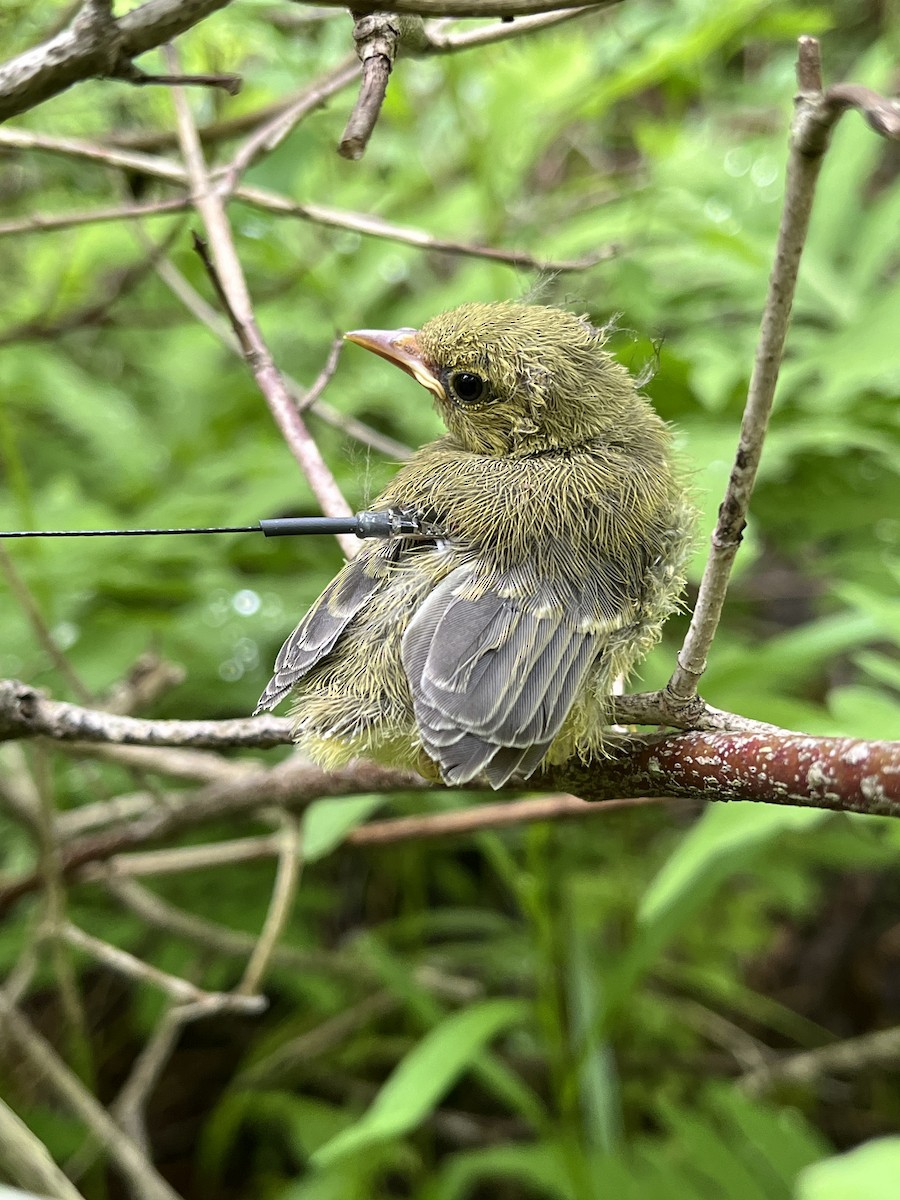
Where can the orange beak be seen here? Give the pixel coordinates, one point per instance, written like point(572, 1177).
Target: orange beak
point(400, 347)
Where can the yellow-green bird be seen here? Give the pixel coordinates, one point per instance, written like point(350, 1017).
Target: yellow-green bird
point(560, 532)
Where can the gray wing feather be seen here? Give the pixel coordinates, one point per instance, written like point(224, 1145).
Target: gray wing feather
point(318, 632)
point(493, 675)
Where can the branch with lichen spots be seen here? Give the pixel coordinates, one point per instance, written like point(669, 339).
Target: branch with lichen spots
point(761, 764)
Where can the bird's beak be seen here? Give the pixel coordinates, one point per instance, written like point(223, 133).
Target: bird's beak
point(400, 347)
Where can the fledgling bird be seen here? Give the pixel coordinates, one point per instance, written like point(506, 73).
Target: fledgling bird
point(560, 533)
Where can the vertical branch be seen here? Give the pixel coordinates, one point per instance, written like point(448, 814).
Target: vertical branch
point(377, 37)
point(815, 116)
point(230, 275)
point(286, 880)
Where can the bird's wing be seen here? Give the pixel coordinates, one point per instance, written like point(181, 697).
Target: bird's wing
point(494, 668)
point(320, 629)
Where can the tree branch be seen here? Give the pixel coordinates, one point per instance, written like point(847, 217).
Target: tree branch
point(144, 1181)
point(228, 276)
point(815, 115)
point(271, 202)
point(765, 765)
point(377, 37)
point(27, 1161)
point(92, 47)
point(509, 9)
point(96, 45)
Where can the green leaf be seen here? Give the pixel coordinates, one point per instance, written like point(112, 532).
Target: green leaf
point(327, 822)
point(424, 1076)
point(725, 839)
point(870, 1172)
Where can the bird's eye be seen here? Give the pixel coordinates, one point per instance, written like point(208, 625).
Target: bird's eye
point(468, 387)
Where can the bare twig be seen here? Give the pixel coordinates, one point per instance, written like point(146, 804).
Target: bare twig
point(25, 712)
point(189, 859)
point(229, 276)
point(40, 628)
point(834, 774)
point(94, 45)
point(219, 131)
point(470, 8)
point(274, 130)
point(268, 201)
point(292, 784)
point(18, 791)
point(286, 880)
point(485, 816)
point(442, 38)
point(211, 936)
point(377, 35)
point(179, 989)
point(128, 1107)
point(847, 1057)
point(145, 1182)
point(353, 428)
point(26, 1161)
point(131, 74)
point(814, 118)
point(321, 381)
point(40, 223)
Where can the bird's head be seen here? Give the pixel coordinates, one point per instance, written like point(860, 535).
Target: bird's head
point(514, 378)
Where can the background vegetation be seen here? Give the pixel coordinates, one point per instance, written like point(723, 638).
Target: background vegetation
point(598, 1009)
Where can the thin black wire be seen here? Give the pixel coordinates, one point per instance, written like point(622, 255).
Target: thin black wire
point(32, 533)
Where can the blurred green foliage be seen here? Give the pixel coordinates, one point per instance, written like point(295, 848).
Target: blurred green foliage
point(562, 1010)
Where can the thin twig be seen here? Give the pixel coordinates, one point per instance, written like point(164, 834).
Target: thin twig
point(814, 118)
point(18, 790)
point(144, 1180)
point(290, 861)
point(41, 223)
point(26, 1160)
point(75, 1037)
point(211, 936)
point(443, 40)
point(132, 967)
point(131, 74)
point(486, 816)
point(358, 430)
point(324, 377)
point(847, 1057)
point(165, 139)
point(272, 202)
point(276, 128)
point(40, 628)
point(128, 1108)
point(187, 859)
point(236, 296)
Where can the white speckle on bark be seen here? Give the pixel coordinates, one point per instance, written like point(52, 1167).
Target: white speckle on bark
point(872, 788)
point(856, 754)
point(816, 776)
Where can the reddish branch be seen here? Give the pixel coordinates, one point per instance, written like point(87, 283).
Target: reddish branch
point(766, 765)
